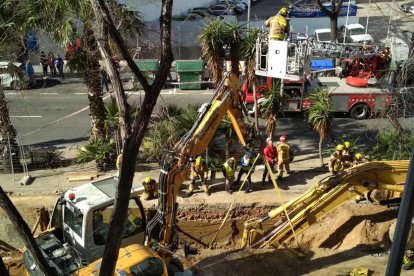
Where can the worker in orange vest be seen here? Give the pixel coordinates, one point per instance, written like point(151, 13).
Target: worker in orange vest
point(284, 156)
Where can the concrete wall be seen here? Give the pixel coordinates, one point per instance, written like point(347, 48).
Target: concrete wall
point(150, 9)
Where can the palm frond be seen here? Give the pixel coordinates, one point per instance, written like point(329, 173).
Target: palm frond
point(320, 113)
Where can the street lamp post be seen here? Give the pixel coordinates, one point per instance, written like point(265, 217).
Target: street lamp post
point(248, 14)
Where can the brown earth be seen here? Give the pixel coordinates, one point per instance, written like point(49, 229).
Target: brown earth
point(343, 240)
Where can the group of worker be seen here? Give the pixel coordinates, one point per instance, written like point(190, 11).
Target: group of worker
point(279, 155)
point(343, 158)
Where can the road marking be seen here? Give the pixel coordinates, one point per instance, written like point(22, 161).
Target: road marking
point(44, 93)
point(26, 116)
point(133, 93)
point(207, 93)
point(80, 93)
point(12, 93)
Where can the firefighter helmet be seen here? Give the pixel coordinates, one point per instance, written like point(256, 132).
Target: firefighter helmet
point(282, 138)
point(347, 144)
point(340, 147)
point(147, 179)
point(358, 156)
point(283, 11)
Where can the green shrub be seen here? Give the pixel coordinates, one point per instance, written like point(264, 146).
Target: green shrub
point(101, 150)
point(391, 144)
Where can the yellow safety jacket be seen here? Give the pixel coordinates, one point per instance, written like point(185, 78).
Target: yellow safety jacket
point(278, 27)
point(284, 152)
point(230, 170)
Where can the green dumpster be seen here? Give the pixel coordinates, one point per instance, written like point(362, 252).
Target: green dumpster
point(190, 71)
point(148, 67)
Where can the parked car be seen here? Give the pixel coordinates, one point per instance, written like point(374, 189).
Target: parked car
point(13, 76)
point(238, 8)
point(222, 10)
point(355, 33)
point(344, 3)
point(239, 3)
point(203, 9)
point(323, 35)
point(407, 6)
point(412, 9)
point(193, 17)
point(201, 13)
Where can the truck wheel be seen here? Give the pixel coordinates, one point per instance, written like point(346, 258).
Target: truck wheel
point(359, 111)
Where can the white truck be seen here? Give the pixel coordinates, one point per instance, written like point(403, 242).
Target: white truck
point(80, 223)
point(355, 33)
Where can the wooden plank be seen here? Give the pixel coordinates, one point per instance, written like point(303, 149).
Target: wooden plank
point(80, 178)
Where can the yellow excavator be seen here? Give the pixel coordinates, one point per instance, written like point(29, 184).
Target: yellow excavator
point(156, 257)
point(377, 182)
point(177, 164)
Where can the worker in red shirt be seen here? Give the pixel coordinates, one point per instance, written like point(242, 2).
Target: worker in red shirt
point(270, 153)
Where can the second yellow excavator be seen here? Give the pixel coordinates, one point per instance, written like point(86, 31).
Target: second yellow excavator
point(376, 181)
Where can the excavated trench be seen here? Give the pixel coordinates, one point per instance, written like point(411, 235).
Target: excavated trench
point(203, 222)
point(351, 226)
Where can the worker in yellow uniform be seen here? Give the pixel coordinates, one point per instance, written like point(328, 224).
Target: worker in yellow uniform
point(150, 188)
point(284, 156)
point(199, 169)
point(278, 24)
point(229, 168)
point(347, 155)
point(335, 161)
point(358, 159)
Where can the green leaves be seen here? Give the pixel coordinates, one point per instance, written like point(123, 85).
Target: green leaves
point(101, 150)
point(320, 113)
point(391, 145)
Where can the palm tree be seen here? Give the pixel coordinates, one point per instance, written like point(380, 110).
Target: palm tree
point(320, 116)
point(271, 106)
point(213, 42)
point(249, 56)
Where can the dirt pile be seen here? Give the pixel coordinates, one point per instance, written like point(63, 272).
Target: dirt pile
point(13, 262)
point(352, 225)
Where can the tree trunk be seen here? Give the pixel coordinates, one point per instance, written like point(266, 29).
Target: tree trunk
point(133, 139)
point(334, 27)
point(320, 149)
point(3, 269)
point(25, 234)
point(93, 80)
point(257, 109)
point(8, 137)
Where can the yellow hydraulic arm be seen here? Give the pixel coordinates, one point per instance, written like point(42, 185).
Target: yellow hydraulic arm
point(176, 164)
point(375, 180)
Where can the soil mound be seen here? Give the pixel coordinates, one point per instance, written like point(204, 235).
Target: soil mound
point(352, 225)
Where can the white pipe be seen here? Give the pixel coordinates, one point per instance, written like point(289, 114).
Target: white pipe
point(369, 9)
point(346, 22)
point(248, 14)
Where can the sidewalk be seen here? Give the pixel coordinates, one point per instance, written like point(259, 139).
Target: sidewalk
point(50, 182)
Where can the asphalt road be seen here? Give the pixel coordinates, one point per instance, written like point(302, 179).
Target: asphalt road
point(32, 110)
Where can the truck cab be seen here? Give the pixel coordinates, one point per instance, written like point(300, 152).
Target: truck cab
point(355, 33)
point(80, 223)
point(322, 35)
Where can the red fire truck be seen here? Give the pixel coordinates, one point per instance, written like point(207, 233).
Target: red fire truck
point(359, 103)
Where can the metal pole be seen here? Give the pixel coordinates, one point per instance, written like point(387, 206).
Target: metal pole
point(248, 14)
point(346, 22)
point(405, 215)
point(11, 157)
point(389, 23)
point(369, 9)
point(179, 42)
